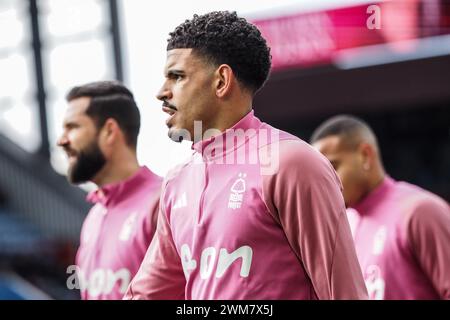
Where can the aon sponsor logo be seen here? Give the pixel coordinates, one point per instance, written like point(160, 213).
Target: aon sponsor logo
point(224, 260)
point(374, 282)
point(100, 281)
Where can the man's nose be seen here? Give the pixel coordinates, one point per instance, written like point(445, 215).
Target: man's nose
point(62, 141)
point(164, 93)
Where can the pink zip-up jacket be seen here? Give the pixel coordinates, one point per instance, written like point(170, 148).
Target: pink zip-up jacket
point(402, 238)
point(255, 217)
point(116, 235)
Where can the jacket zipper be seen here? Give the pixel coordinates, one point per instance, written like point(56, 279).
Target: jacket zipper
point(202, 197)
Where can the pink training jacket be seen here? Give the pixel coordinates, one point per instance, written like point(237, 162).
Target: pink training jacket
point(116, 235)
point(233, 231)
point(402, 238)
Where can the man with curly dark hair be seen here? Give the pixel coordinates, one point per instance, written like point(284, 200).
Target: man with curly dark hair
point(256, 213)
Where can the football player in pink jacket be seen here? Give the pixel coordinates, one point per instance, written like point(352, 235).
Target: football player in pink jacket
point(401, 232)
point(101, 127)
point(255, 213)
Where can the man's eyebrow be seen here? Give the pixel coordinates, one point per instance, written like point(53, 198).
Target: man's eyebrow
point(174, 72)
point(70, 124)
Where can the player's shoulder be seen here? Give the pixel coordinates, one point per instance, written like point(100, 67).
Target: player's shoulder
point(150, 189)
point(428, 216)
point(301, 154)
point(93, 216)
point(423, 205)
point(291, 148)
point(176, 171)
point(418, 197)
point(150, 175)
point(296, 158)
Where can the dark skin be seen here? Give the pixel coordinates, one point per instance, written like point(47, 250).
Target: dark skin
point(196, 90)
point(357, 164)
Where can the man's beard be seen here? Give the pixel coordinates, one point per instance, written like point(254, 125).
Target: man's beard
point(88, 163)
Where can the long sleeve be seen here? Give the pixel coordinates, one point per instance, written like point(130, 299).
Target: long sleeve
point(160, 276)
point(149, 222)
point(305, 197)
point(428, 233)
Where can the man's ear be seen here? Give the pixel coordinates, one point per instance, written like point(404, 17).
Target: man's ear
point(109, 132)
point(224, 80)
point(368, 154)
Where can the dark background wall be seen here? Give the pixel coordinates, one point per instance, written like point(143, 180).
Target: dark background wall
point(407, 104)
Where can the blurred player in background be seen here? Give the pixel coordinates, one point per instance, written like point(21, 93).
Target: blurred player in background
point(401, 232)
point(230, 229)
point(101, 127)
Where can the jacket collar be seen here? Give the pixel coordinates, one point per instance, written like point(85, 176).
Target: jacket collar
point(113, 193)
point(367, 204)
point(218, 146)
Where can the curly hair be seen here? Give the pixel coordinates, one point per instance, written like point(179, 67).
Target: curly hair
point(224, 38)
